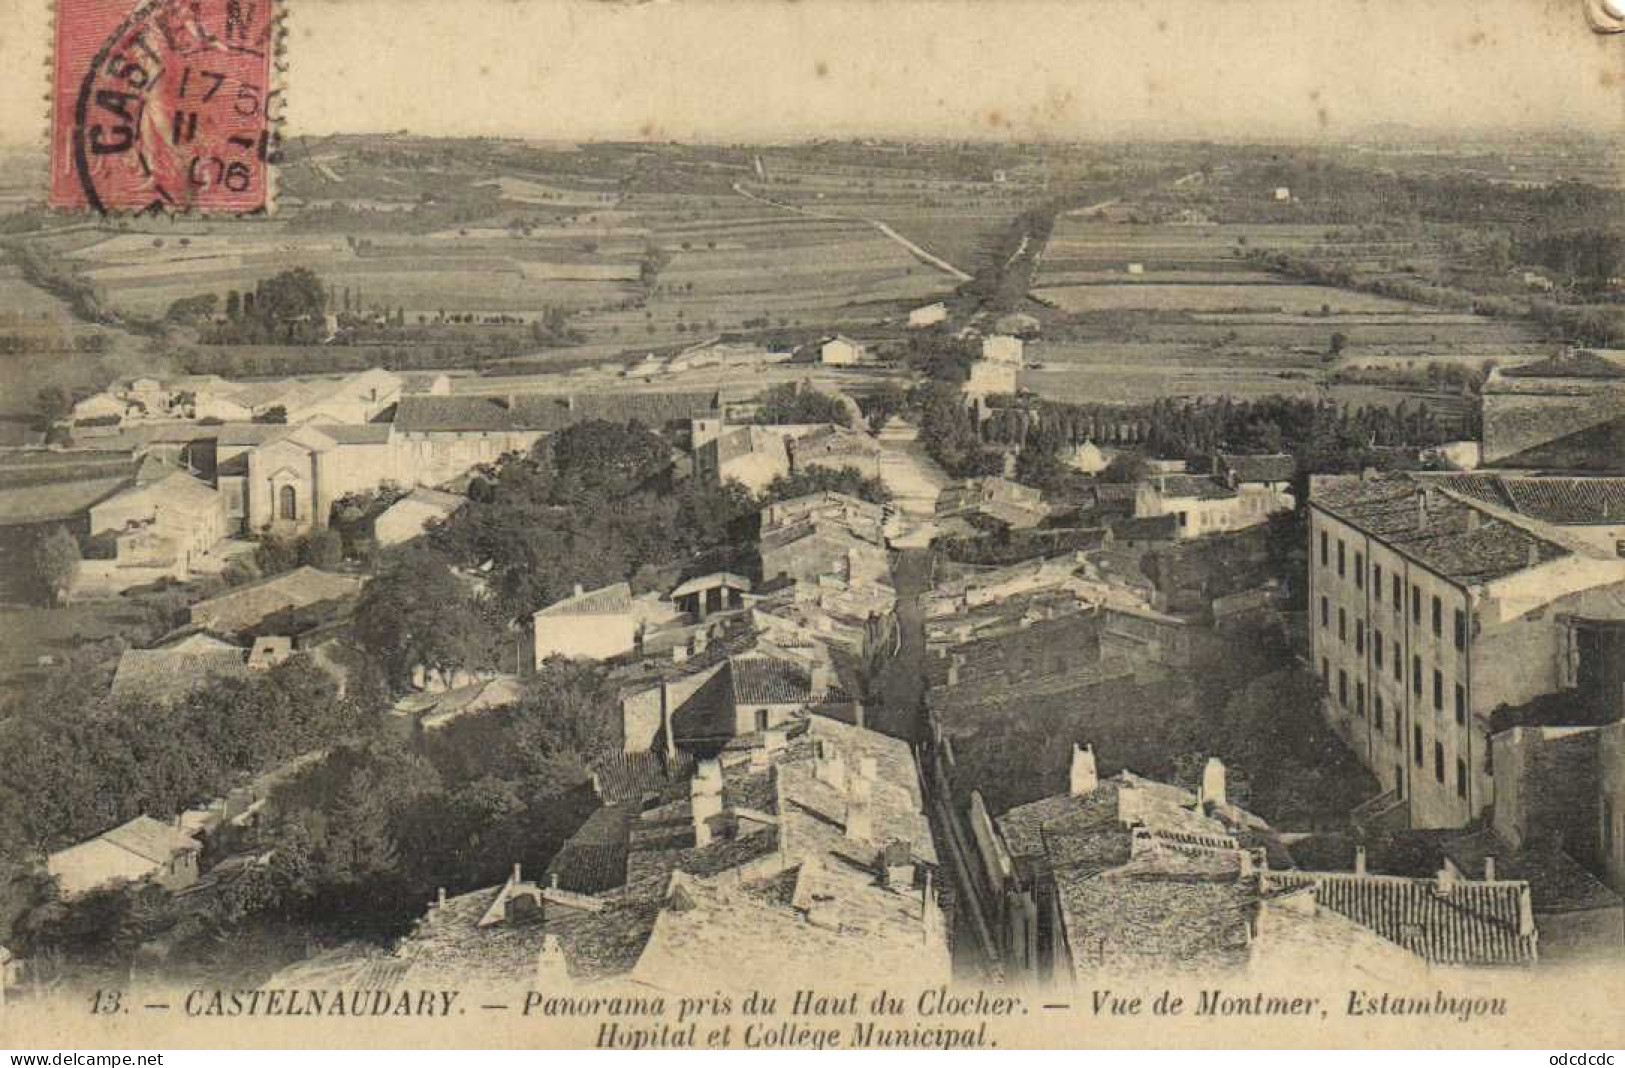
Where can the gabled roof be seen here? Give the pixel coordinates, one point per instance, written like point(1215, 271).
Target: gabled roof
point(169, 675)
point(614, 599)
point(1447, 536)
point(1560, 501)
point(1581, 363)
point(1471, 922)
point(151, 840)
point(1260, 467)
point(1198, 487)
point(241, 608)
point(1600, 448)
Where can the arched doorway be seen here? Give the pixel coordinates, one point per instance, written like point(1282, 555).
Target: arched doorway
point(288, 504)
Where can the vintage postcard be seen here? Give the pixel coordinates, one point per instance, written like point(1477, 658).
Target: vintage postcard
point(905, 524)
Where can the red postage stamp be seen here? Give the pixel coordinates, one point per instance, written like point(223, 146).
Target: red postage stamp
point(164, 105)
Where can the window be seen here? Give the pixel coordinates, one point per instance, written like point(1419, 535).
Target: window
point(1461, 778)
point(1438, 691)
point(1438, 762)
point(1397, 597)
point(288, 503)
point(1416, 675)
point(1489, 758)
point(1325, 675)
point(1416, 605)
point(1359, 636)
point(1438, 618)
point(1342, 687)
point(1399, 666)
point(1416, 737)
point(1376, 710)
point(1342, 625)
point(1461, 703)
point(1359, 571)
point(1184, 518)
point(1376, 647)
point(1325, 612)
point(761, 719)
point(1376, 580)
point(1359, 698)
point(1323, 553)
point(1461, 629)
point(1340, 550)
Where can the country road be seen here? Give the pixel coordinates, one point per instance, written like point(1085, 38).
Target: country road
point(914, 250)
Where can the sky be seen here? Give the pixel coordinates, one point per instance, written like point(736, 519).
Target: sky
point(755, 70)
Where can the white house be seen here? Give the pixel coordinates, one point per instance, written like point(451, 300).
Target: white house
point(988, 377)
point(1002, 348)
point(929, 315)
point(590, 624)
point(841, 351)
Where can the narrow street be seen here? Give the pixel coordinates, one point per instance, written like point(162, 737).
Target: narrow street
point(901, 686)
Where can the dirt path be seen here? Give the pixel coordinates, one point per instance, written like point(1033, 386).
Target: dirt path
point(914, 250)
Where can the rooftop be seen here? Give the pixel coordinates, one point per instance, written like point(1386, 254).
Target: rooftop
point(245, 606)
point(170, 675)
point(1260, 467)
point(606, 600)
point(1598, 500)
point(1437, 530)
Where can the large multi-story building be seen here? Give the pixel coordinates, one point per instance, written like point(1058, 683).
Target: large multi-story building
point(1437, 601)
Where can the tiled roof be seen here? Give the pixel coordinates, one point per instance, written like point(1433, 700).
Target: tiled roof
point(423, 412)
point(55, 501)
point(1199, 487)
point(711, 581)
point(624, 777)
point(550, 412)
point(243, 607)
point(1474, 923)
point(168, 675)
point(758, 680)
point(1564, 501)
point(356, 433)
point(1448, 537)
point(1262, 467)
point(1578, 364)
point(593, 860)
point(606, 600)
point(1596, 448)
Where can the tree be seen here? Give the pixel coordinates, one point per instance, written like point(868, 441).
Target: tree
point(291, 295)
point(234, 305)
point(55, 561)
point(321, 548)
point(276, 413)
point(1125, 468)
point(53, 404)
point(794, 403)
point(416, 613)
point(848, 480)
point(1338, 343)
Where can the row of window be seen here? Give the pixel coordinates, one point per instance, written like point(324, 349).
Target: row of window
point(1459, 627)
point(1377, 656)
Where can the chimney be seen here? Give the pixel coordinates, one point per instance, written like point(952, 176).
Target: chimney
point(897, 865)
point(579, 590)
point(1083, 778)
point(953, 670)
point(517, 876)
point(1359, 860)
point(1446, 880)
point(1526, 914)
point(552, 967)
point(1489, 869)
point(1534, 553)
point(553, 881)
point(1422, 503)
point(440, 898)
point(859, 822)
point(1212, 783)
